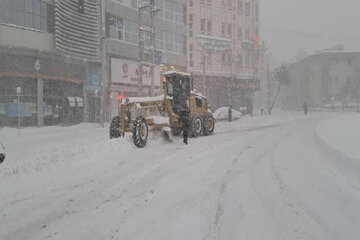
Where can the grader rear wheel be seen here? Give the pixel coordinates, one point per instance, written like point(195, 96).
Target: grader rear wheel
point(195, 126)
point(208, 124)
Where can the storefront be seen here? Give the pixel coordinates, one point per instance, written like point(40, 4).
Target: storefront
point(45, 80)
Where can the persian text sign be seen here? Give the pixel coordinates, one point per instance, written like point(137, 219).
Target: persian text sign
point(127, 72)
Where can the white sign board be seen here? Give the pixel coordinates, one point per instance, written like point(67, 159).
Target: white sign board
point(127, 72)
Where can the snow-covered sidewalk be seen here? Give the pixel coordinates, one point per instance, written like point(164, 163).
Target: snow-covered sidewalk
point(343, 134)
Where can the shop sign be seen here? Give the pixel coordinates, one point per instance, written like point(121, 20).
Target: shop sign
point(127, 72)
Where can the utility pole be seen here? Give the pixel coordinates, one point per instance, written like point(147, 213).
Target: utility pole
point(268, 85)
point(103, 67)
point(152, 15)
point(141, 53)
point(204, 68)
point(151, 29)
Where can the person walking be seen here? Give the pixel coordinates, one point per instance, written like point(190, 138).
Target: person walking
point(306, 108)
point(230, 113)
point(2, 153)
point(184, 119)
point(262, 110)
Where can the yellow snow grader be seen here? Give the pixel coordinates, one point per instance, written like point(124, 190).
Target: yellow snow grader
point(163, 112)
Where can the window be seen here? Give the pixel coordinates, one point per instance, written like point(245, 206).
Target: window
point(191, 3)
point(134, 4)
point(123, 30)
point(191, 17)
point(223, 59)
point(159, 41)
point(209, 58)
point(240, 33)
point(28, 13)
point(170, 90)
point(229, 4)
point(223, 30)
point(247, 9)
point(240, 7)
point(209, 3)
point(209, 27)
point(191, 61)
point(229, 60)
point(240, 61)
point(247, 59)
point(229, 30)
point(223, 4)
point(202, 26)
point(198, 102)
point(247, 34)
point(129, 3)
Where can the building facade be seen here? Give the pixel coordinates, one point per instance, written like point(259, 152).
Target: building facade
point(124, 28)
point(48, 49)
point(223, 50)
point(323, 80)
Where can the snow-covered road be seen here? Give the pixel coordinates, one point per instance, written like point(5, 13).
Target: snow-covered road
point(277, 177)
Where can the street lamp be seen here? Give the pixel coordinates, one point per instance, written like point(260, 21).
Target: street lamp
point(18, 92)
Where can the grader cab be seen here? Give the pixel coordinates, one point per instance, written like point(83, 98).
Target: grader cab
point(163, 112)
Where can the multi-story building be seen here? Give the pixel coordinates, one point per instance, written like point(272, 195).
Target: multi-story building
point(122, 45)
point(48, 48)
point(52, 49)
point(329, 79)
point(223, 49)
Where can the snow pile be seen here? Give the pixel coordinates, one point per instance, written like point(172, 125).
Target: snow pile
point(343, 134)
point(222, 113)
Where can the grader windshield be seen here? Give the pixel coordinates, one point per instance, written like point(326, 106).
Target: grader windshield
point(178, 88)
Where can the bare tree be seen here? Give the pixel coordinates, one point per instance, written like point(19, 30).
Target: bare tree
point(281, 76)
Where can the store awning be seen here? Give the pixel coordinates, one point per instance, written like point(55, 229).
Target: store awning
point(72, 101)
point(79, 102)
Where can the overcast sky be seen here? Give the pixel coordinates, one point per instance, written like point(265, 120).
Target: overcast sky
point(288, 25)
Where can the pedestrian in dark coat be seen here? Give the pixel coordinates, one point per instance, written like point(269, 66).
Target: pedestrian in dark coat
point(306, 108)
point(184, 119)
point(2, 153)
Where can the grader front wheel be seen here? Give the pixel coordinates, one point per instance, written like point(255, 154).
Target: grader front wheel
point(140, 132)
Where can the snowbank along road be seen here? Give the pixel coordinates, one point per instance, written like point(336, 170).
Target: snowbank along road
point(281, 177)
